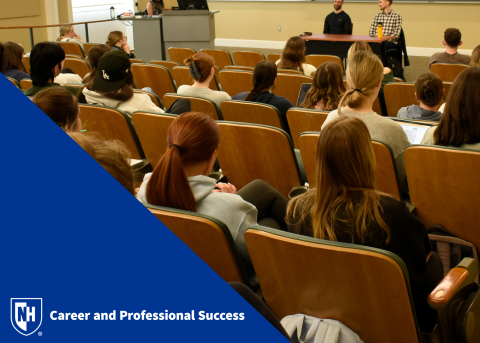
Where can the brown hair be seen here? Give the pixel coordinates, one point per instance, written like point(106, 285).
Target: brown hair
point(200, 66)
point(63, 31)
point(263, 78)
point(12, 56)
point(114, 37)
point(452, 37)
point(429, 89)
point(460, 121)
point(475, 58)
point(60, 105)
point(358, 46)
point(364, 72)
point(94, 54)
point(193, 137)
point(345, 191)
point(293, 54)
point(327, 87)
point(111, 155)
point(124, 93)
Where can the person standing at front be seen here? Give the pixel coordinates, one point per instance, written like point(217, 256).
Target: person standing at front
point(391, 22)
point(338, 22)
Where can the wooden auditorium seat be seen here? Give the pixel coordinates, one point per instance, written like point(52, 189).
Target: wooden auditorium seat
point(235, 81)
point(182, 76)
point(251, 112)
point(239, 67)
point(77, 65)
point(15, 82)
point(289, 71)
point(88, 46)
point(274, 57)
point(136, 60)
point(26, 64)
point(199, 104)
point(26, 84)
point(72, 48)
point(180, 54)
point(447, 71)
point(167, 64)
point(247, 58)
point(251, 151)
point(398, 95)
point(155, 76)
point(304, 119)
point(288, 85)
point(222, 57)
point(317, 60)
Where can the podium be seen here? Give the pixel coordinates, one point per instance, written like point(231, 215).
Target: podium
point(194, 29)
point(148, 38)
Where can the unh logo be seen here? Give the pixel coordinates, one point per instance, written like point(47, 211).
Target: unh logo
point(26, 314)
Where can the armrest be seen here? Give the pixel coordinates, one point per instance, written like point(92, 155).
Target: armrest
point(447, 287)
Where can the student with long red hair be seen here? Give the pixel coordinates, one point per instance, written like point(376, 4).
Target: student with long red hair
point(180, 180)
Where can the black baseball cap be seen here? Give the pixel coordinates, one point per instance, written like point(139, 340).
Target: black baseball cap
point(112, 71)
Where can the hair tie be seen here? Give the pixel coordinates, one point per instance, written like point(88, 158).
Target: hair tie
point(194, 71)
point(357, 90)
point(179, 148)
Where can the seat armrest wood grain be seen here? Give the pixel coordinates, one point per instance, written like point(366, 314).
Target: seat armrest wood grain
point(446, 289)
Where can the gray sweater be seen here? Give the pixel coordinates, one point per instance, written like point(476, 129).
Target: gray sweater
point(416, 112)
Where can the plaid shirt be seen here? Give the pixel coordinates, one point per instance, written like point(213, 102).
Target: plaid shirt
point(392, 24)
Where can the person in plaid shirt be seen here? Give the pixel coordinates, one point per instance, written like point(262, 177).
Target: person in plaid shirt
point(391, 21)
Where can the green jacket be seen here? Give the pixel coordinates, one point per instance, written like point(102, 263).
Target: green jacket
point(35, 89)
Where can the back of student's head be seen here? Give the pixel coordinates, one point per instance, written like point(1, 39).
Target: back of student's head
point(94, 55)
point(60, 105)
point(114, 37)
point(111, 155)
point(475, 58)
point(200, 66)
point(293, 54)
point(429, 89)
point(193, 138)
point(64, 29)
point(43, 59)
point(358, 46)
point(364, 73)
point(327, 87)
point(345, 182)
point(452, 37)
point(12, 56)
point(460, 122)
point(263, 78)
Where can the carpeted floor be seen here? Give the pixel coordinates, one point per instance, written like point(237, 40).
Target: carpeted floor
point(418, 65)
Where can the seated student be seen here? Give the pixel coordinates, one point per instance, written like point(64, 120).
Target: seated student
point(429, 92)
point(345, 207)
point(475, 58)
point(293, 57)
point(364, 75)
point(111, 155)
point(327, 88)
point(118, 41)
point(61, 106)
point(67, 34)
point(46, 63)
point(180, 180)
point(452, 40)
point(201, 68)
point(112, 86)
point(387, 72)
point(12, 61)
point(460, 123)
point(263, 80)
point(94, 54)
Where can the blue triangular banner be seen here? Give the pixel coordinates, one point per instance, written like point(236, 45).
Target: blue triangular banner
point(73, 237)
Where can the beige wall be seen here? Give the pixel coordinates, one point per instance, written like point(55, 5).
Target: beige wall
point(65, 14)
point(423, 24)
point(22, 36)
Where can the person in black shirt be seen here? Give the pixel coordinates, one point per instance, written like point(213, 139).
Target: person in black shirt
point(338, 22)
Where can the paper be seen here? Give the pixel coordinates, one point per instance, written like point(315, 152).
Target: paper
point(414, 132)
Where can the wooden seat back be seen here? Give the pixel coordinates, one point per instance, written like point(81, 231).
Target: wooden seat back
point(136, 60)
point(317, 60)
point(289, 71)
point(362, 287)
point(198, 104)
point(222, 57)
point(248, 152)
point(25, 84)
point(72, 48)
point(446, 71)
point(26, 64)
point(398, 95)
point(304, 119)
point(88, 46)
point(78, 66)
point(180, 54)
point(208, 237)
point(155, 76)
point(307, 143)
point(238, 67)
point(251, 112)
point(167, 64)
point(235, 81)
point(274, 57)
point(15, 82)
point(182, 76)
point(248, 58)
point(111, 123)
point(152, 131)
point(288, 85)
point(445, 189)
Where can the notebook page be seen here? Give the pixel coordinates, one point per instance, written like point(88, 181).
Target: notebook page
point(415, 132)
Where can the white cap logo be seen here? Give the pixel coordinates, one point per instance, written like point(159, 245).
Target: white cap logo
point(105, 75)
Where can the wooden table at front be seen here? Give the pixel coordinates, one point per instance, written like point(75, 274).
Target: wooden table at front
point(338, 45)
